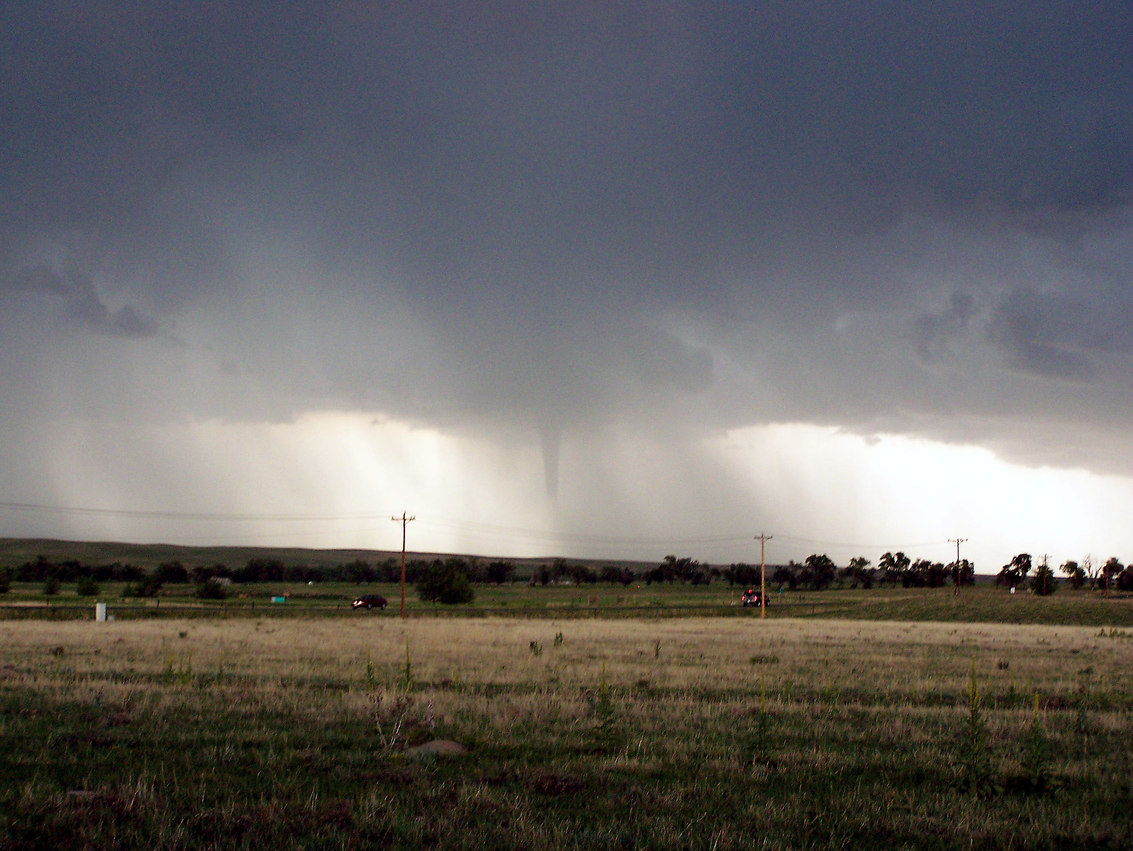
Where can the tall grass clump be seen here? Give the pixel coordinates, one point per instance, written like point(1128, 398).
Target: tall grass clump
point(975, 759)
point(1036, 756)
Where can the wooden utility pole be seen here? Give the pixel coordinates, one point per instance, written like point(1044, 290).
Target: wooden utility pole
point(404, 521)
point(763, 539)
point(957, 542)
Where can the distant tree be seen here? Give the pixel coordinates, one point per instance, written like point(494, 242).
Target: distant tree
point(858, 571)
point(1044, 581)
point(389, 570)
point(893, 568)
point(785, 575)
point(928, 574)
point(1092, 570)
point(1074, 573)
point(918, 575)
point(1125, 579)
point(259, 570)
point(87, 587)
point(5, 579)
point(413, 569)
point(962, 572)
point(475, 569)
point(126, 573)
point(445, 582)
point(71, 569)
point(820, 571)
point(172, 573)
point(1015, 572)
point(500, 572)
point(358, 572)
point(582, 574)
point(1109, 573)
point(302, 573)
point(203, 574)
point(684, 570)
point(51, 586)
point(103, 572)
point(36, 571)
point(741, 574)
point(615, 575)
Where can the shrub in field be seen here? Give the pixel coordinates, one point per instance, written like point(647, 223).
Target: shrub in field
point(210, 590)
point(51, 586)
point(148, 586)
point(86, 587)
point(1036, 756)
point(975, 762)
point(5, 580)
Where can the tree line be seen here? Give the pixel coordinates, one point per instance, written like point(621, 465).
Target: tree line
point(1105, 576)
point(816, 572)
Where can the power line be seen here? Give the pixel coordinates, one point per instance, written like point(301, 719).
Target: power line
point(179, 515)
point(404, 520)
point(957, 542)
point(859, 545)
point(763, 538)
point(495, 532)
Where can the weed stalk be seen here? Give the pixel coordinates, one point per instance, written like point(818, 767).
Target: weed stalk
point(1036, 757)
point(973, 749)
point(407, 672)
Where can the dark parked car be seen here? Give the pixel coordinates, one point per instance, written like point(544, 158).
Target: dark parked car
point(751, 597)
point(370, 601)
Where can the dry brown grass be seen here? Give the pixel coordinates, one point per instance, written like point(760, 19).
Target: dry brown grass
point(639, 728)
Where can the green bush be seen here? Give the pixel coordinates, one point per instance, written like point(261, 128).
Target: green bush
point(51, 586)
point(147, 587)
point(5, 580)
point(86, 587)
point(209, 590)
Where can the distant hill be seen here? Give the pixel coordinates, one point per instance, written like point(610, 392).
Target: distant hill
point(17, 551)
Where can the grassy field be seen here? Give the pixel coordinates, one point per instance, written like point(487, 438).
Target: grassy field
point(596, 732)
point(982, 604)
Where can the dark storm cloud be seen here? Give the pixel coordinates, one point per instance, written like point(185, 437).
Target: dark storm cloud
point(82, 303)
point(1040, 335)
point(938, 332)
point(578, 214)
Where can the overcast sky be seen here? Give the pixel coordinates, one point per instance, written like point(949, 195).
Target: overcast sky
point(565, 280)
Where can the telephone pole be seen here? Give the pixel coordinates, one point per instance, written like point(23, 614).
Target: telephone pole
point(763, 539)
point(404, 521)
point(957, 542)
